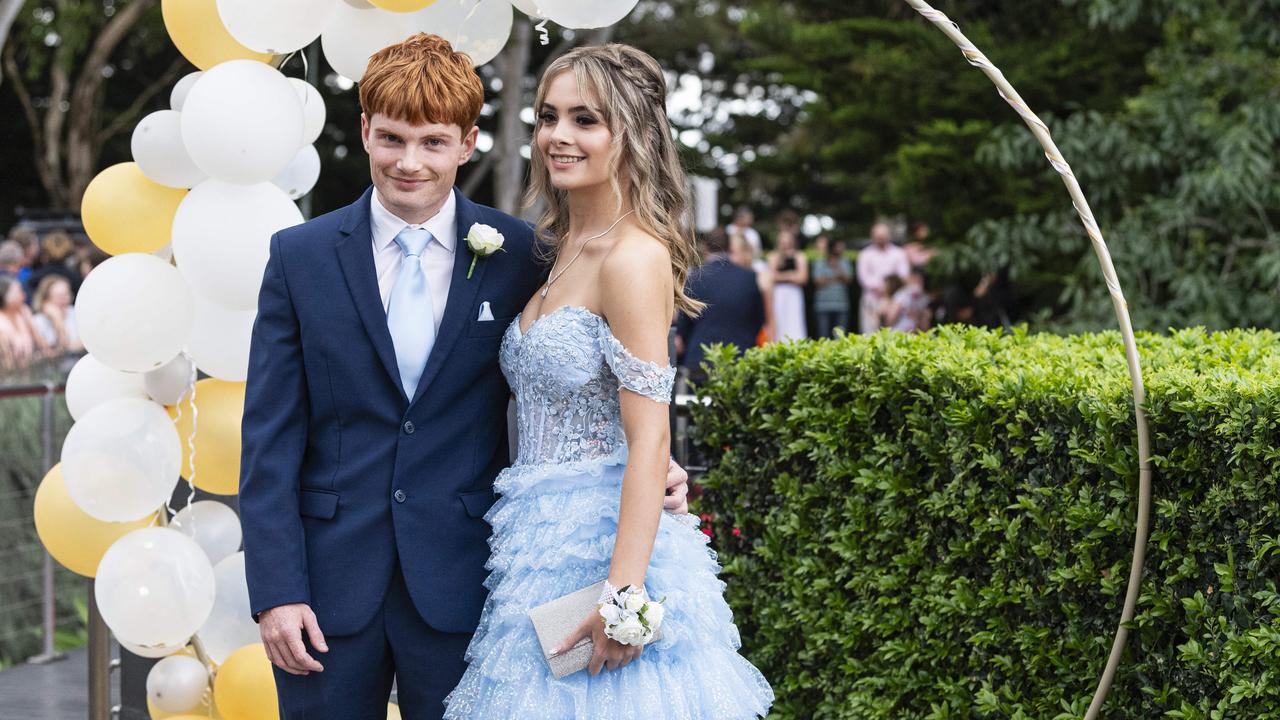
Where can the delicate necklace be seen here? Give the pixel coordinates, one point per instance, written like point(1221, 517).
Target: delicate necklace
point(583, 246)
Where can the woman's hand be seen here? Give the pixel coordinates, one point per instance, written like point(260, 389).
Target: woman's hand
point(605, 651)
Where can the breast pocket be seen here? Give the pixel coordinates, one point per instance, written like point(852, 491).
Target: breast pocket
point(489, 328)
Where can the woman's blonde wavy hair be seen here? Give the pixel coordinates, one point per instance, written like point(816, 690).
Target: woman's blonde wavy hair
point(626, 87)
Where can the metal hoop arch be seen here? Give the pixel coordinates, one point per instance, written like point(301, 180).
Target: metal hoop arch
point(1041, 132)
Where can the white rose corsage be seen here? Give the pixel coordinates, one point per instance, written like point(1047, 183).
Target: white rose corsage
point(484, 240)
point(630, 617)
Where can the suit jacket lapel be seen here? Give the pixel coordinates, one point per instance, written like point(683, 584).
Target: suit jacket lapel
point(355, 254)
point(462, 295)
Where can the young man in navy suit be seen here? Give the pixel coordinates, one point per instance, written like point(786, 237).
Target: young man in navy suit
point(375, 412)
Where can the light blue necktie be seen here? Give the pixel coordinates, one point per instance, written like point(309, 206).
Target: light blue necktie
point(410, 315)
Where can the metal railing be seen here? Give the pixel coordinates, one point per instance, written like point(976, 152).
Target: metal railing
point(99, 658)
point(48, 393)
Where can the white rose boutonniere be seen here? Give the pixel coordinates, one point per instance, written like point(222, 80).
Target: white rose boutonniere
point(484, 240)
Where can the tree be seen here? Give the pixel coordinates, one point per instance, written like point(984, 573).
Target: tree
point(60, 63)
point(1183, 177)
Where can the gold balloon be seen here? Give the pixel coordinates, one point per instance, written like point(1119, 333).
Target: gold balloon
point(125, 211)
point(393, 711)
point(220, 407)
point(72, 537)
point(402, 6)
point(198, 32)
point(245, 688)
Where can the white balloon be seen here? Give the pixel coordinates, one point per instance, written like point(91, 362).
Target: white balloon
point(529, 7)
point(165, 253)
point(154, 586)
point(480, 30)
point(213, 525)
point(121, 460)
point(443, 18)
point(134, 312)
point(354, 34)
point(182, 88)
point(152, 651)
point(242, 122)
point(313, 110)
point(158, 150)
point(277, 26)
point(171, 382)
point(177, 684)
point(230, 626)
point(300, 177)
point(584, 15)
point(220, 341)
point(222, 238)
point(90, 383)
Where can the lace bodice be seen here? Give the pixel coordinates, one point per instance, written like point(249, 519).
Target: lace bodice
point(566, 371)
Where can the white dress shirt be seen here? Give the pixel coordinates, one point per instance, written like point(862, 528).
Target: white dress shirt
point(876, 265)
point(437, 259)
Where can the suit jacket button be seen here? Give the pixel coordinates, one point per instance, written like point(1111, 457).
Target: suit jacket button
point(409, 427)
point(400, 496)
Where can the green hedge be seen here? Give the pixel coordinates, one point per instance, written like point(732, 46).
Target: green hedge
point(940, 526)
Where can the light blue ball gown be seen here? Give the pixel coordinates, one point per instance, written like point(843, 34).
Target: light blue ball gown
point(553, 534)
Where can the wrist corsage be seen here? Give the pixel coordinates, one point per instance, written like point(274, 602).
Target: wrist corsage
point(630, 617)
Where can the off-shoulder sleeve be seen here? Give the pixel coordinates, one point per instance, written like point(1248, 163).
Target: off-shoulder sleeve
point(642, 377)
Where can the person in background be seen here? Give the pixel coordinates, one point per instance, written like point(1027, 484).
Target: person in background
point(86, 259)
point(832, 276)
point(821, 245)
point(743, 219)
point(19, 344)
point(13, 260)
point(735, 306)
point(919, 251)
point(55, 259)
point(790, 272)
point(876, 264)
point(740, 254)
point(908, 307)
point(55, 316)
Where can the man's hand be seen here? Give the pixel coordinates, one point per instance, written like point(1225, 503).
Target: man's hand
point(677, 500)
point(281, 629)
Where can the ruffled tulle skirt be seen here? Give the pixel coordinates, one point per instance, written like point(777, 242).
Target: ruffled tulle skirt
point(553, 534)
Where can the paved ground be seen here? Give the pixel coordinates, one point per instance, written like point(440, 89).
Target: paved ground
point(56, 691)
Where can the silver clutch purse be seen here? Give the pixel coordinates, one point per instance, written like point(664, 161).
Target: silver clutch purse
point(554, 621)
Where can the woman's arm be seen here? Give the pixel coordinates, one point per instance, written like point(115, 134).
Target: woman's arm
point(637, 298)
point(801, 273)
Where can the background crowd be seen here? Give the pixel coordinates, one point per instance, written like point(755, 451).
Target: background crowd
point(782, 288)
point(818, 287)
point(40, 273)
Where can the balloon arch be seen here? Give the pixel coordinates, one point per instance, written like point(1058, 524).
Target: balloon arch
point(187, 224)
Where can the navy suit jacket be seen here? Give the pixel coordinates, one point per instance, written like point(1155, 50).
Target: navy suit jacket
point(734, 314)
point(341, 474)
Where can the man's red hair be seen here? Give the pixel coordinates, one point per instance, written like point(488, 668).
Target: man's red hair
point(422, 80)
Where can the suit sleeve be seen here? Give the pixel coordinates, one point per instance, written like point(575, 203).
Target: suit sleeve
point(757, 305)
point(274, 439)
point(684, 323)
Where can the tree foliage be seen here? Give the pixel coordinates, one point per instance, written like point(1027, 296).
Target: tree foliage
point(1165, 108)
